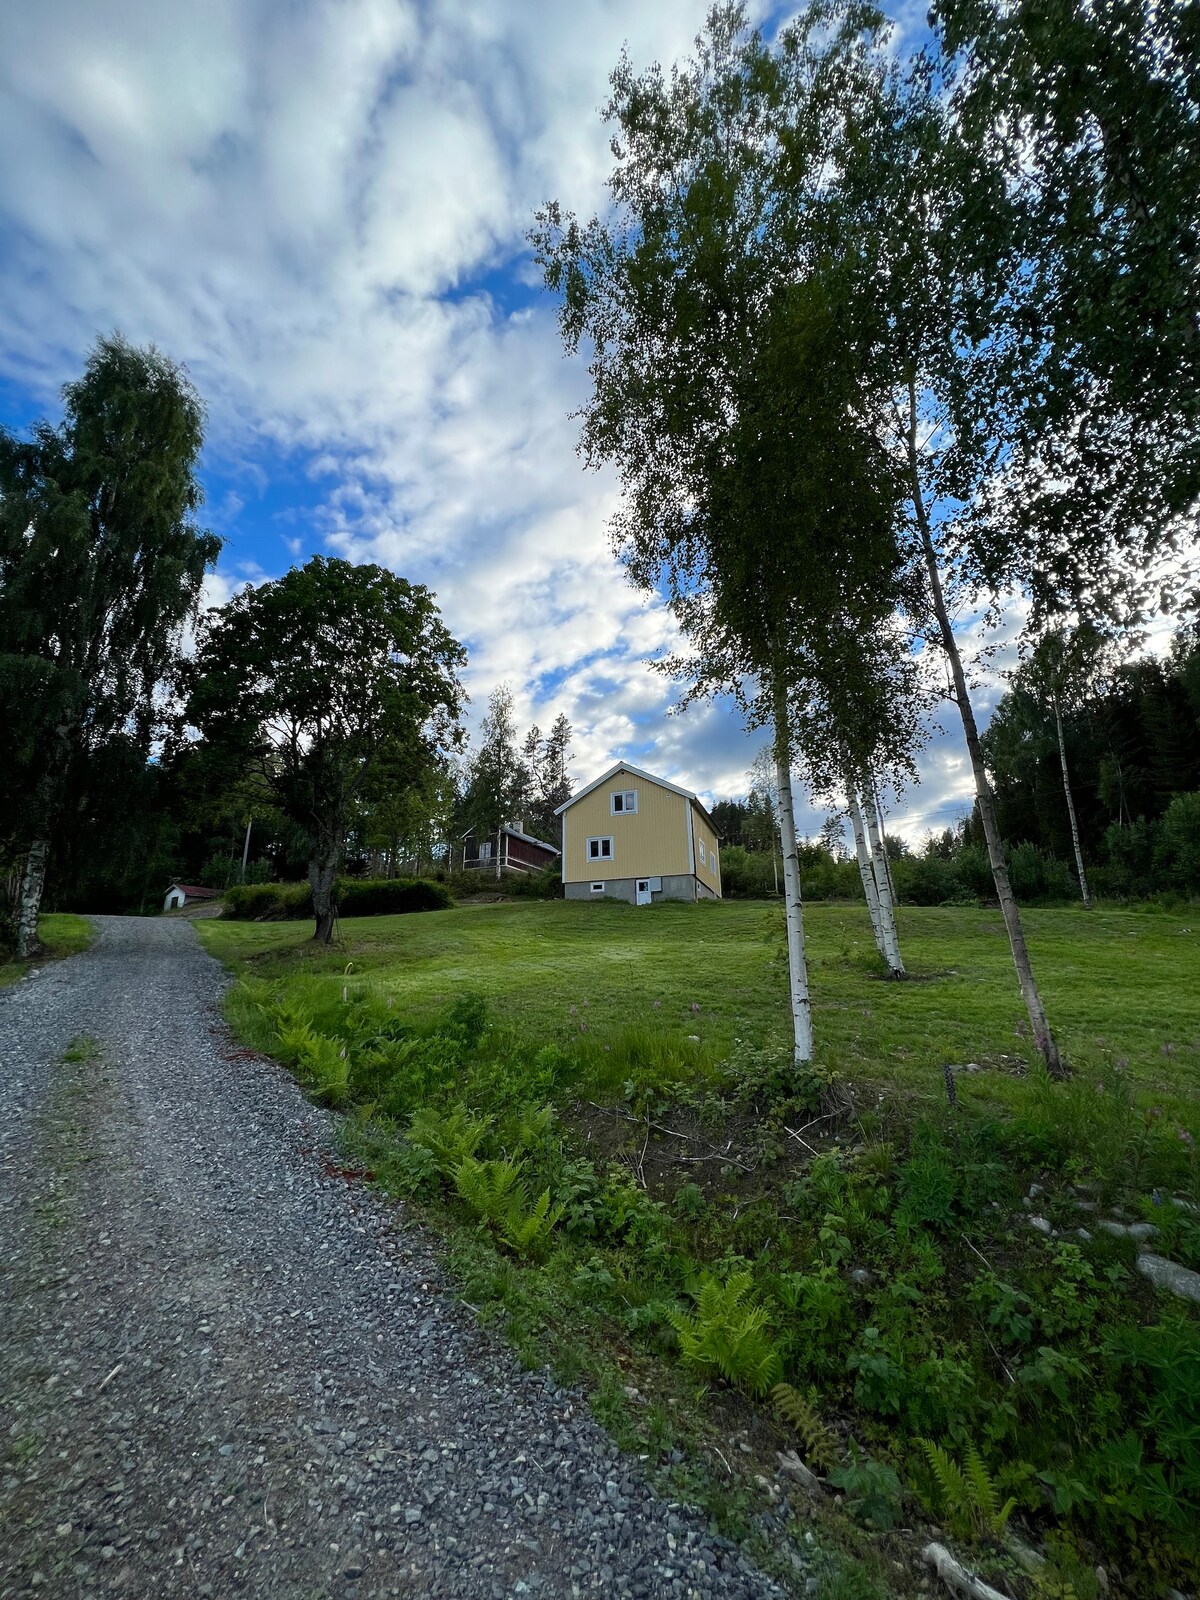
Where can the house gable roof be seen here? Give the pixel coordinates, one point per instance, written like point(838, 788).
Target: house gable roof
point(194, 891)
point(637, 772)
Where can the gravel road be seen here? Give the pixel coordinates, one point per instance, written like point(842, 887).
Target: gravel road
point(224, 1370)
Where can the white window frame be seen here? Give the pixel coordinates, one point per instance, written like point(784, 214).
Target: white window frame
point(484, 850)
point(597, 888)
point(628, 803)
point(600, 854)
point(700, 848)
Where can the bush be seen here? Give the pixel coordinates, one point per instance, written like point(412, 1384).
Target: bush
point(356, 897)
point(1177, 856)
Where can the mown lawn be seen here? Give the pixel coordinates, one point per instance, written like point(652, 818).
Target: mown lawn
point(1122, 987)
point(61, 934)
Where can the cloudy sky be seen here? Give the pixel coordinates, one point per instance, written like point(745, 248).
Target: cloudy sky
point(320, 207)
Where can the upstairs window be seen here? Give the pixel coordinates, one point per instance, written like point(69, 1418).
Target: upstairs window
point(623, 802)
point(600, 849)
point(703, 857)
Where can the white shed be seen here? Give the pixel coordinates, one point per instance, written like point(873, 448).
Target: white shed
point(184, 894)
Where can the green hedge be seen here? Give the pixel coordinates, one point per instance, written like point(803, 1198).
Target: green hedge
point(356, 897)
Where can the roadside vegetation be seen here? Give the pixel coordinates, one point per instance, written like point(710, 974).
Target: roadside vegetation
point(909, 1271)
point(59, 935)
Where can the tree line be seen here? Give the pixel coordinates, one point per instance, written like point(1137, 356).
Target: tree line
point(313, 720)
point(881, 343)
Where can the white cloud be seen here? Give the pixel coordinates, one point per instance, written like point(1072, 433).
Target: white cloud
point(290, 197)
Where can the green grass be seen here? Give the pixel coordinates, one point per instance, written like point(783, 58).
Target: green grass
point(1120, 986)
point(595, 1105)
point(61, 933)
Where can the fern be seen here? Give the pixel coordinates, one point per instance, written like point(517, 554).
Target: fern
point(525, 1232)
point(728, 1336)
point(495, 1193)
point(820, 1446)
point(325, 1063)
point(450, 1137)
point(969, 1501)
point(489, 1187)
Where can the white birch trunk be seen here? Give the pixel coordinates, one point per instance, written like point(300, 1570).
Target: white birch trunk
point(1062, 756)
point(793, 902)
point(1038, 1021)
point(883, 887)
point(866, 870)
point(29, 901)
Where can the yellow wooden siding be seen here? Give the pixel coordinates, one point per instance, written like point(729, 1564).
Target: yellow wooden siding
point(649, 843)
point(708, 869)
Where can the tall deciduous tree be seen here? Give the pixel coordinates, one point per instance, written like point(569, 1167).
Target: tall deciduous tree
point(101, 563)
point(317, 680)
point(731, 385)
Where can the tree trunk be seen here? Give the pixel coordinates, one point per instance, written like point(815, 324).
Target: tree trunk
point(793, 902)
point(983, 790)
point(29, 898)
point(1062, 756)
point(322, 877)
point(865, 870)
point(883, 886)
point(499, 836)
point(887, 860)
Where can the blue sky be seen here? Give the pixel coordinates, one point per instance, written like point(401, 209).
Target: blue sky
point(320, 206)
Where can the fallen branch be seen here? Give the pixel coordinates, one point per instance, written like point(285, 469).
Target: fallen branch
point(674, 1133)
point(954, 1574)
point(104, 1385)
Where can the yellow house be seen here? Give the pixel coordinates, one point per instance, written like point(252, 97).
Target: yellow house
point(635, 837)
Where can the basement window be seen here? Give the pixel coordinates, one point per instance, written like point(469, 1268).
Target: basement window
point(597, 888)
point(600, 849)
point(623, 802)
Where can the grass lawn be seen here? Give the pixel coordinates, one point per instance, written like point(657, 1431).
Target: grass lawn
point(62, 935)
point(637, 1186)
point(1121, 986)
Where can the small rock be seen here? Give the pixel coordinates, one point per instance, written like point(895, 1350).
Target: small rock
point(1129, 1230)
point(1164, 1274)
point(1041, 1224)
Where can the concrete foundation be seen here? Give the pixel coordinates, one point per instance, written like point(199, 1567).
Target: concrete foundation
point(681, 886)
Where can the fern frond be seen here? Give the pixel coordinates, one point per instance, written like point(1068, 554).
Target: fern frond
point(820, 1446)
point(985, 1502)
point(952, 1487)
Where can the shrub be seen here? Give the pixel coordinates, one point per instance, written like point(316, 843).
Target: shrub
point(356, 897)
point(1177, 856)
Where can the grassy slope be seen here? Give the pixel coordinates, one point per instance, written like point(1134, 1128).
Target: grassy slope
point(617, 987)
point(1119, 985)
point(62, 935)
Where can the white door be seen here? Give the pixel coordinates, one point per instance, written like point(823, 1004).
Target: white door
point(643, 891)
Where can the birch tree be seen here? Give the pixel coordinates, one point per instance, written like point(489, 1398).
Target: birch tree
point(729, 382)
point(101, 563)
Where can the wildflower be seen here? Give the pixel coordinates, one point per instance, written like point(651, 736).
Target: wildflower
point(573, 1011)
point(695, 1005)
point(658, 1005)
point(1186, 1138)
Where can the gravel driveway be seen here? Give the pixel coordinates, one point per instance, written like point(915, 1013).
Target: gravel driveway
point(224, 1370)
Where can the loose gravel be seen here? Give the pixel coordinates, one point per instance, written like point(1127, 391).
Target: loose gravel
point(224, 1370)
